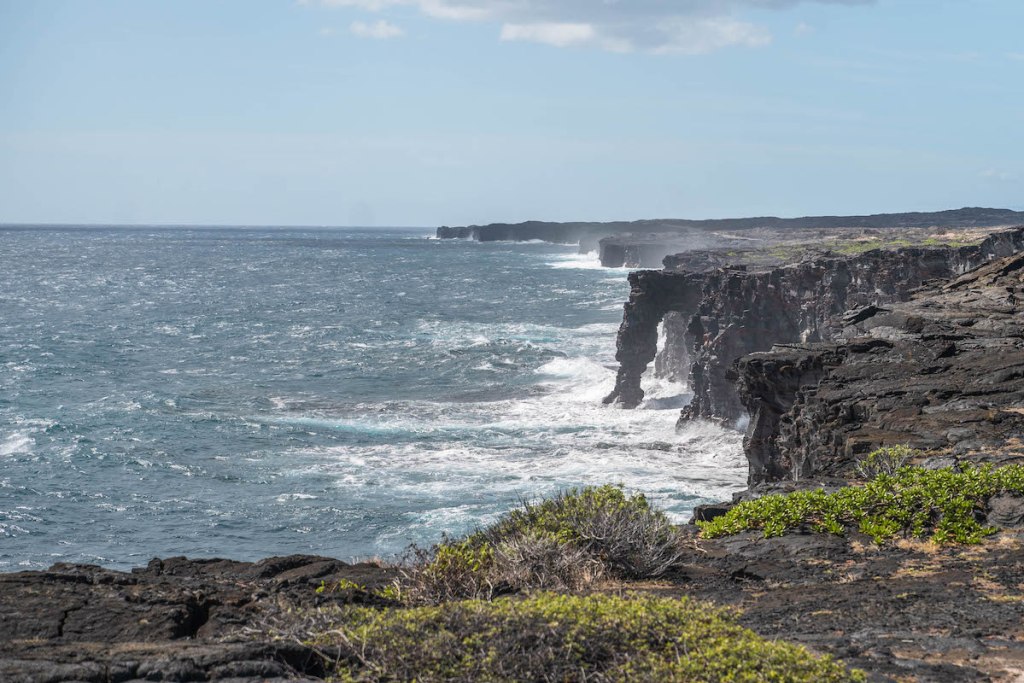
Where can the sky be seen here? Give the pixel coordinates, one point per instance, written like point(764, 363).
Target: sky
point(457, 112)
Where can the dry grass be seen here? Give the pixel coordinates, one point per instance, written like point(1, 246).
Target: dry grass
point(569, 542)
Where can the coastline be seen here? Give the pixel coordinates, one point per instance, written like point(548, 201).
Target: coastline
point(909, 608)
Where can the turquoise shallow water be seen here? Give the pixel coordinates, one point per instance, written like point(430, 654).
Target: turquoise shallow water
point(247, 392)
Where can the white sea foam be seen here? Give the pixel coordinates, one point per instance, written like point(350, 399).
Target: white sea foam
point(588, 261)
point(17, 443)
point(285, 497)
point(490, 455)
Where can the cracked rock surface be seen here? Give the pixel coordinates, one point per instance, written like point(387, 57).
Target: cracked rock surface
point(174, 620)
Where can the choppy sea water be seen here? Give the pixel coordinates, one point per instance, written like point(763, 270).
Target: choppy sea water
point(248, 392)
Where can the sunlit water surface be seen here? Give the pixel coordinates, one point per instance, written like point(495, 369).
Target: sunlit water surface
point(248, 392)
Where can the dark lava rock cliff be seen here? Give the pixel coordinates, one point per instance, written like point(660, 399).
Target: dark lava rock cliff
point(715, 311)
point(942, 372)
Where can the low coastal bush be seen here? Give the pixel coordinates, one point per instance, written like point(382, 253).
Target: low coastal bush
point(551, 637)
point(564, 542)
point(887, 460)
point(945, 505)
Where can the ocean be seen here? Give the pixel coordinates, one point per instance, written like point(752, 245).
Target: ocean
point(246, 392)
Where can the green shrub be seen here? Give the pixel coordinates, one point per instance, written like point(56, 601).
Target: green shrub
point(629, 537)
point(944, 505)
point(887, 460)
point(564, 542)
point(551, 637)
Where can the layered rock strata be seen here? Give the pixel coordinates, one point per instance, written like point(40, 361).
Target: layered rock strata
point(942, 372)
point(719, 312)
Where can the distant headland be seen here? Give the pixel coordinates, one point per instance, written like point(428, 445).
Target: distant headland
point(644, 243)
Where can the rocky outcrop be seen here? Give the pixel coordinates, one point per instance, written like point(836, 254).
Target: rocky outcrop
point(173, 620)
point(626, 251)
point(648, 251)
point(652, 295)
point(901, 612)
point(942, 372)
point(734, 310)
point(559, 233)
point(447, 233)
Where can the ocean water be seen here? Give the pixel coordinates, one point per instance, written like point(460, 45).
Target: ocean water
point(248, 392)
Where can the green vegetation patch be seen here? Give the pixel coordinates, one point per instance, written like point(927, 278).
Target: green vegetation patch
point(856, 247)
point(944, 505)
point(551, 637)
point(564, 542)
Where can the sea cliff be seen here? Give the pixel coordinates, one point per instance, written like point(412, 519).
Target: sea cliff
point(942, 372)
point(718, 306)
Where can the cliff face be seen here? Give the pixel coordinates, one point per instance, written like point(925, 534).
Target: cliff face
point(942, 372)
point(724, 313)
point(651, 250)
point(448, 233)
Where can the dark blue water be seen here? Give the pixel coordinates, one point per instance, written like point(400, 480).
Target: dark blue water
point(247, 392)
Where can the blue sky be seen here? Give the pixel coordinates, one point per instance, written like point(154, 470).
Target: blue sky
point(429, 112)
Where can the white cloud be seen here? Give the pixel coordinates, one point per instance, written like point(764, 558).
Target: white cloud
point(380, 30)
point(706, 35)
point(659, 26)
point(559, 35)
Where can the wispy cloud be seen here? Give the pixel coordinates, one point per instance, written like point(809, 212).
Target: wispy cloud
point(657, 26)
point(379, 30)
point(803, 29)
point(999, 175)
point(559, 35)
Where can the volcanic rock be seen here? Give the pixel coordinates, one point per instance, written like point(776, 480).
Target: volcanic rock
point(793, 295)
point(942, 372)
point(174, 620)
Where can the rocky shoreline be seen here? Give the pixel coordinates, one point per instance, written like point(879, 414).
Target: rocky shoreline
point(830, 355)
point(907, 611)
